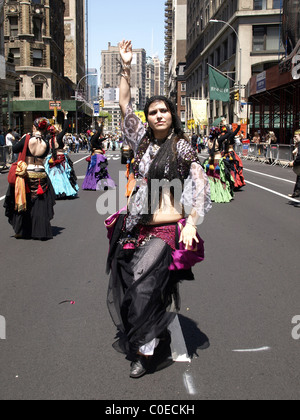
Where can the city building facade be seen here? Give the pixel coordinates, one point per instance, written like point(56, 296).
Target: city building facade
point(110, 71)
point(34, 37)
point(159, 76)
point(155, 77)
point(2, 61)
point(92, 86)
point(275, 93)
point(240, 38)
point(291, 24)
point(74, 44)
point(150, 78)
point(175, 52)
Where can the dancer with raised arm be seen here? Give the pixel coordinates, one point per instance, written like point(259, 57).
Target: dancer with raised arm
point(155, 243)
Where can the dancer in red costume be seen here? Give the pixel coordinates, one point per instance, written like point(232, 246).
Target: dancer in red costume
point(234, 161)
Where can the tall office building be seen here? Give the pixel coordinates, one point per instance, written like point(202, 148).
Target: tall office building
point(155, 77)
point(110, 71)
point(159, 76)
point(175, 42)
point(92, 86)
point(175, 53)
point(258, 26)
point(74, 23)
point(150, 78)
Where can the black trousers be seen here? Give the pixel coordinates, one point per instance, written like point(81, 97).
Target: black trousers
point(297, 186)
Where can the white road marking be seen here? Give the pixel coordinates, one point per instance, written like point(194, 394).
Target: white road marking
point(269, 176)
point(74, 163)
point(273, 192)
point(189, 384)
point(252, 350)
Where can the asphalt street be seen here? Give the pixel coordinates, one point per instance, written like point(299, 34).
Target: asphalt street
point(243, 301)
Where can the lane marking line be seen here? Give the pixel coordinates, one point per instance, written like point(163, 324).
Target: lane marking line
point(189, 384)
point(269, 176)
point(273, 192)
point(74, 163)
point(252, 350)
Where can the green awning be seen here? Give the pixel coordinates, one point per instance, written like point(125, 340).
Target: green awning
point(43, 106)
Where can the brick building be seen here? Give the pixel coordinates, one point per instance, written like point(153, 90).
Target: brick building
point(34, 37)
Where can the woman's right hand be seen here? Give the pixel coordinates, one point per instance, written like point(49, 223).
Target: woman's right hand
point(126, 51)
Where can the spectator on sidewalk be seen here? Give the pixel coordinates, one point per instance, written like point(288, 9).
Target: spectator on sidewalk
point(271, 141)
point(256, 138)
point(17, 138)
point(9, 139)
point(77, 144)
point(2, 139)
point(296, 165)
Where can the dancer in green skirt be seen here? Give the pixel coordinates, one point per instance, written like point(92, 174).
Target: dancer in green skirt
point(217, 170)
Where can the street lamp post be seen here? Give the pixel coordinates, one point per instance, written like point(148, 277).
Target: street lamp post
point(76, 97)
point(240, 58)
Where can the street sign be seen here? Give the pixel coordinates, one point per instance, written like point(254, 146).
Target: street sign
point(96, 109)
point(55, 104)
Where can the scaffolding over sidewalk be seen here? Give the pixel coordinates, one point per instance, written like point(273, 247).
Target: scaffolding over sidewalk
point(275, 98)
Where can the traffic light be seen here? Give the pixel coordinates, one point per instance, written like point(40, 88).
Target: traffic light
point(102, 103)
point(237, 96)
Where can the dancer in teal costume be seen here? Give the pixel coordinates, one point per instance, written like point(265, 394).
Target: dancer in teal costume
point(59, 166)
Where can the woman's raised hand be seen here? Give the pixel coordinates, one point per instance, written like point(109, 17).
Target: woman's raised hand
point(126, 51)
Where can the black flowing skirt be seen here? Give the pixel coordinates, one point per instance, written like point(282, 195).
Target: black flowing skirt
point(141, 290)
point(34, 223)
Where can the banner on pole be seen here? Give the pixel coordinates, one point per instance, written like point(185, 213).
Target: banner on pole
point(218, 86)
point(199, 109)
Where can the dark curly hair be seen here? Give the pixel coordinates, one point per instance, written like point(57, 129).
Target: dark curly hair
point(164, 165)
point(176, 124)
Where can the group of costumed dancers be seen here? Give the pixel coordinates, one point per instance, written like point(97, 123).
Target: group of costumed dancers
point(154, 242)
point(224, 167)
point(44, 173)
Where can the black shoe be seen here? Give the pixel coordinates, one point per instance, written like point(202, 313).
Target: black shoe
point(295, 194)
point(139, 367)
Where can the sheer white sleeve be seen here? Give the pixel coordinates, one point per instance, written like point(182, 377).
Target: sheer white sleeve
point(133, 129)
point(196, 193)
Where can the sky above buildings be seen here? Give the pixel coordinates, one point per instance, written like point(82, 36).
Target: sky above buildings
point(113, 20)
